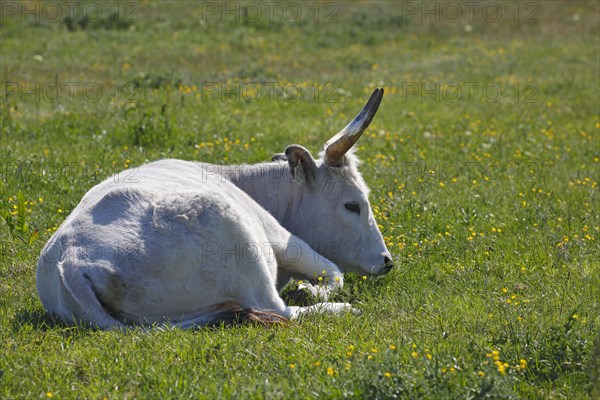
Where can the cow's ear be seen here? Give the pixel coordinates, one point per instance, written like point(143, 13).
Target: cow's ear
point(302, 165)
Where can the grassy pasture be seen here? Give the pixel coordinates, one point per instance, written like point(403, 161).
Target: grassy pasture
point(484, 162)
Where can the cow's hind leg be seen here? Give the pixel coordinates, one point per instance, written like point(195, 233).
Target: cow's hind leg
point(80, 303)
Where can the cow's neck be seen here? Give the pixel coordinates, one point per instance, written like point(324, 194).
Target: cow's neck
point(270, 184)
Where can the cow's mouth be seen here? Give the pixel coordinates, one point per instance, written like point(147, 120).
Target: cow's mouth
point(383, 269)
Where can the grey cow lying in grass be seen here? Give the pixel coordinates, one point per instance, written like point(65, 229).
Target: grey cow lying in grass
point(191, 244)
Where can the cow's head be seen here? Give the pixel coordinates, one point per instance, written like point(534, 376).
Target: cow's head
point(331, 208)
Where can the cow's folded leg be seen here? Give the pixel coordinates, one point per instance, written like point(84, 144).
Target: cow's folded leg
point(308, 263)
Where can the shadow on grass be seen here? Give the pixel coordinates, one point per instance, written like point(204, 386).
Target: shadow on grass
point(38, 320)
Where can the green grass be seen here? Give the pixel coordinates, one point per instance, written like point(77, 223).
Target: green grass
point(489, 207)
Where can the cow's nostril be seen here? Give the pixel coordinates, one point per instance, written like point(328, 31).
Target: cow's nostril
point(388, 263)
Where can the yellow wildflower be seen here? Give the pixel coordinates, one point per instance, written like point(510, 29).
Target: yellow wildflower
point(522, 363)
point(495, 355)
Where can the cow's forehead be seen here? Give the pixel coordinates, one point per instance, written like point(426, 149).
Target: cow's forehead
point(355, 180)
point(348, 176)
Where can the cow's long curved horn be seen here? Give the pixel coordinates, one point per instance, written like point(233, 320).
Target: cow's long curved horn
point(338, 145)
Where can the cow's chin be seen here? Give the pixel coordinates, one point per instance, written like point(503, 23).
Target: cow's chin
point(376, 271)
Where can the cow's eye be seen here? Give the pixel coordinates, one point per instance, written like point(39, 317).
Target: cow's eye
point(353, 207)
